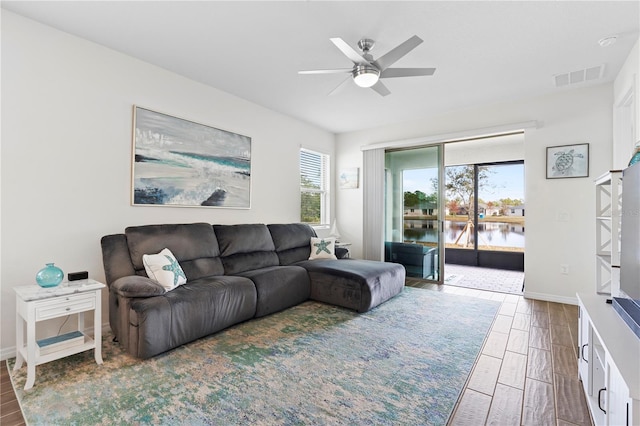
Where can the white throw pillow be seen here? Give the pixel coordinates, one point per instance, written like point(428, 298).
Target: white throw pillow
point(164, 268)
point(323, 248)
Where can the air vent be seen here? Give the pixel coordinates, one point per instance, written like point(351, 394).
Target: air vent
point(579, 76)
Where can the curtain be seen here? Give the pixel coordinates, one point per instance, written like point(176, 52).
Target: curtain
point(373, 221)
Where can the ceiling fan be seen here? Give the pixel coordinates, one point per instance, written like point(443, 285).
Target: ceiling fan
point(367, 72)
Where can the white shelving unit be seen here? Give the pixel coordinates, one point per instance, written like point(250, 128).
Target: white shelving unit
point(608, 206)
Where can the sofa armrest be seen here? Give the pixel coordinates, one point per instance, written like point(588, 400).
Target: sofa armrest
point(137, 286)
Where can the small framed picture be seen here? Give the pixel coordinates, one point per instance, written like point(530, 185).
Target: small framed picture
point(349, 178)
point(568, 161)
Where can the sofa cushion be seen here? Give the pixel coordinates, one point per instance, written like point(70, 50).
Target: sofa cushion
point(164, 268)
point(247, 238)
point(354, 284)
point(191, 311)
point(292, 235)
point(292, 241)
point(323, 248)
point(279, 287)
point(245, 247)
point(194, 245)
point(116, 258)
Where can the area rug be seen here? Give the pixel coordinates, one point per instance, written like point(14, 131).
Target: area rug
point(404, 362)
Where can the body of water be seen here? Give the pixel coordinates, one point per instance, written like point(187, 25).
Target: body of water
point(497, 234)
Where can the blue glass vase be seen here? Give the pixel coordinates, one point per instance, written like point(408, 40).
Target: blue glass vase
point(49, 276)
point(636, 154)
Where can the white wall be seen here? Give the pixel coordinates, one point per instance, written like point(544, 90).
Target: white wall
point(503, 148)
point(560, 212)
point(627, 119)
point(66, 153)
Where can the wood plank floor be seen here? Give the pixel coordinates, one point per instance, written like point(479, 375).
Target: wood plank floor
point(10, 414)
point(526, 373)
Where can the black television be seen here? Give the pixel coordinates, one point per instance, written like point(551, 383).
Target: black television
point(627, 305)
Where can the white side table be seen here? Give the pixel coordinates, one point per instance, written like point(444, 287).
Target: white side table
point(34, 303)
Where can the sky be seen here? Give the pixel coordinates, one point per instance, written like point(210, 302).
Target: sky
point(507, 182)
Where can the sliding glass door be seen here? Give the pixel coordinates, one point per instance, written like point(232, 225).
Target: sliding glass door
point(413, 211)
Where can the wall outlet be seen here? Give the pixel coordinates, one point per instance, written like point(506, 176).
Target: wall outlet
point(564, 269)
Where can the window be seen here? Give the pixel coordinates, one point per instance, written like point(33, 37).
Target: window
point(314, 187)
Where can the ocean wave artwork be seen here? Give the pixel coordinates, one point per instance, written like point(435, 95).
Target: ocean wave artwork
point(178, 162)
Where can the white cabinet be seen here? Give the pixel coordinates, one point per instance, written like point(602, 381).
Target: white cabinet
point(619, 404)
point(35, 304)
point(584, 354)
point(591, 367)
point(608, 206)
point(608, 363)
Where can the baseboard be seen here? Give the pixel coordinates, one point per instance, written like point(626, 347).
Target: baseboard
point(10, 352)
point(7, 353)
point(550, 298)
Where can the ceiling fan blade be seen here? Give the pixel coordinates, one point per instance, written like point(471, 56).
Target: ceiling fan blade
point(406, 72)
point(339, 86)
point(389, 58)
point(332, 71)
point(349, 51)
point(381, 89)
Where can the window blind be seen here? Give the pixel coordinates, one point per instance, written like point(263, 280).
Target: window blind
point(314, 186)
point(373, 185)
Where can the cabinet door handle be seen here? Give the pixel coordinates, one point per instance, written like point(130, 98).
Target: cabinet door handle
point(582, 352)
point(599, 399)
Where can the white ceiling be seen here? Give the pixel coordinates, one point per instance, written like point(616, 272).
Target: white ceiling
point(484, 52)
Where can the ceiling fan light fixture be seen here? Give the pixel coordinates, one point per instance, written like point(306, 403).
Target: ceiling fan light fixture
point(365, 75)
point(607, 41)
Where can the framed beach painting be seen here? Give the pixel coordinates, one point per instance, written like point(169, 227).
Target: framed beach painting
point(349, 178)
point(181, 163)
point(568, 161)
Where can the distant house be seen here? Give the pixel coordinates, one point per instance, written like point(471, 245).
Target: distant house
point(488, 211)
point(514, 210)
point(460, 211)
point(422, 209)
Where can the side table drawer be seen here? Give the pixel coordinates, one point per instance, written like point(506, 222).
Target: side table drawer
point(65, 305)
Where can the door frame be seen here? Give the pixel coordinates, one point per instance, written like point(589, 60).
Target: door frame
point(485, 258)
point(440, 149)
